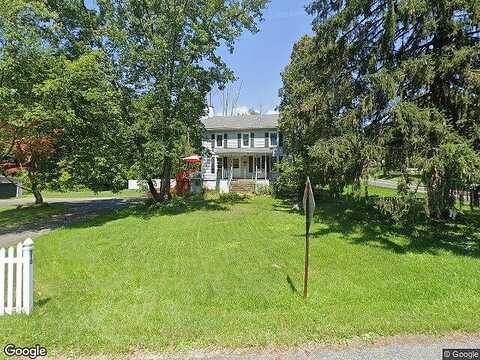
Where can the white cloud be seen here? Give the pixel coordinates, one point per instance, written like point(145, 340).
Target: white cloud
point(272, 112)
point(245, 110)
point(238, 111)
point(241, 110)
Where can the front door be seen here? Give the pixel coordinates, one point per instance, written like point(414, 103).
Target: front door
point(236, 168)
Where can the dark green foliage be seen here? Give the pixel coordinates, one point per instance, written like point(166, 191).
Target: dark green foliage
point(94, 144)
point(388, 80)
point(402, 209)
point(290, 184)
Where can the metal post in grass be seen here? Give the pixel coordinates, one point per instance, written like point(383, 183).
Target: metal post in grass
point(308, 208)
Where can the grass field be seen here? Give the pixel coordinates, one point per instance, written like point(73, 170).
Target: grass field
point(227, 272)
point(85, 194)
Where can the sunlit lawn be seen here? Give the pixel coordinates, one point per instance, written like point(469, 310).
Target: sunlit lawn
point(228, 273)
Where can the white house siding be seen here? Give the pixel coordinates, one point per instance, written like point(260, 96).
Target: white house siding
point(232, 141)
point(220, 185)
point(211, 181)
point(207, 168)
point(140, 184)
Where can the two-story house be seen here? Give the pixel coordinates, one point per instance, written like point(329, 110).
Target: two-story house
point(243, 150)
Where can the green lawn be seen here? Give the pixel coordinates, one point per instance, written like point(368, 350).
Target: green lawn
point(228, 273)
point(86, 194)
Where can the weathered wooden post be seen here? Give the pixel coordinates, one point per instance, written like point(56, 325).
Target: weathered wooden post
point(309, 209)
point(28, 276)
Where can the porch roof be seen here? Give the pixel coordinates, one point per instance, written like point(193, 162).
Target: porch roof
point(243, 151)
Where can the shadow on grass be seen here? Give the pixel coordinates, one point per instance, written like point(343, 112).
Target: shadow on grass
point(29, 217)
point(361, 223)
point(42, 302)
point(177, 206)
point(292, 285)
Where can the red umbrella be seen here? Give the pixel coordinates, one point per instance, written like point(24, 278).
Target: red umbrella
point(194, 159)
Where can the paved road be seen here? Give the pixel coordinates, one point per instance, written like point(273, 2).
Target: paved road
point(393, 348)
point(389, 184)
point(396, 348)
point(78, 210)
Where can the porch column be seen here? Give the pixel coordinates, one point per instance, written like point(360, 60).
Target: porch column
point(255, 161)
point(266, 166)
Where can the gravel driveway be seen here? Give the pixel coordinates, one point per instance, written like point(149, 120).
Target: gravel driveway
point(79, 210)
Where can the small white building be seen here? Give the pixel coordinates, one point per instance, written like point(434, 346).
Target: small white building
point(243, 151)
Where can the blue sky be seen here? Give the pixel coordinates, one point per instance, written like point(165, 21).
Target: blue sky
point(259, 58)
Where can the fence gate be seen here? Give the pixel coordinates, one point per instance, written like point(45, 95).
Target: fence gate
point(16, 279)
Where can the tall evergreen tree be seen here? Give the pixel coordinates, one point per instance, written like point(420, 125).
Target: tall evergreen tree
point(405, 74)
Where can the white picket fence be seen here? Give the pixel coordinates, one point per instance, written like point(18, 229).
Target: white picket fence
point(16, 279)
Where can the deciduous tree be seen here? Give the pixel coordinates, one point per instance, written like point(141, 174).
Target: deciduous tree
point(165, 54)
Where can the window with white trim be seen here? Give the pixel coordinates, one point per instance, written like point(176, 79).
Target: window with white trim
point(246, 140)
point(273, 139)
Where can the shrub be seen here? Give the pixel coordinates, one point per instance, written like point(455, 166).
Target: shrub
point(289, 185)
point(263, 189)
point(231, 197)
point(176, 202)
point(401, 209)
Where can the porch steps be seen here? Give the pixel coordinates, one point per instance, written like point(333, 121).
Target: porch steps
point(243, 186)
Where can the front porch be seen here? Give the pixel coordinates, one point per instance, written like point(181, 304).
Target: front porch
point(239, 169)
point(243, 167)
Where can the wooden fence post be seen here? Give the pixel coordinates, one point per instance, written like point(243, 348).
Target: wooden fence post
point(28, 276)
point(19, 278)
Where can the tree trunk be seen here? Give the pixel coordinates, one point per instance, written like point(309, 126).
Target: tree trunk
point(165, 185)
point(153, 190)
point(36, 192)
point(439, 199)
point(38, 197)
point(438, 187)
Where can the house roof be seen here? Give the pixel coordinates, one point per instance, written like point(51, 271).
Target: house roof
point(249, 122)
